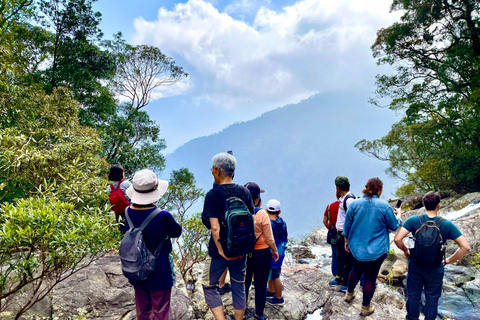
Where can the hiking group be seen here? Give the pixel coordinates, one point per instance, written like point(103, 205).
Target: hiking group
point(358, 231)
point(250, 242)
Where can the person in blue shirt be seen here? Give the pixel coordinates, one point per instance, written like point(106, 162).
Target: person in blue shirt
point(366, 230)
point(428, 278)
point(280, 233)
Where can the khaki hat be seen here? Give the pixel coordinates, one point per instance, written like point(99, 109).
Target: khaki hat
point(146, 188)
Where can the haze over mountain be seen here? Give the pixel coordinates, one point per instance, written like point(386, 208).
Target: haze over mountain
point(295, 153)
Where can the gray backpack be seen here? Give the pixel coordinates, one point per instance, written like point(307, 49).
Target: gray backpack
point(137, 261)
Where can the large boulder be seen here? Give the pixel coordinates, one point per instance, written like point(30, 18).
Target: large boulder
point(102, 292)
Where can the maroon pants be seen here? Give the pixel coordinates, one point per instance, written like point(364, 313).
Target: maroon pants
point(153, 305)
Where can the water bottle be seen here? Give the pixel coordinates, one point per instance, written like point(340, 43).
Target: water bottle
point(411, 242)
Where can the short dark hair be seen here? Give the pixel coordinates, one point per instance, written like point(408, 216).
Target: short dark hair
point(430, 200)
point(116, 173)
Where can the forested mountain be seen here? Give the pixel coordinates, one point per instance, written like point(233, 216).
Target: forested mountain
point(295, 153)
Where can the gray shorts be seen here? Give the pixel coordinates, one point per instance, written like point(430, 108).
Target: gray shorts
point(213, 270)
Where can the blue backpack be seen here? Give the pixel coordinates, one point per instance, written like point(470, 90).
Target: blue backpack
point(137, 261)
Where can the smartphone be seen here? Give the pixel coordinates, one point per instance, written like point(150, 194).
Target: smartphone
point(399, 204)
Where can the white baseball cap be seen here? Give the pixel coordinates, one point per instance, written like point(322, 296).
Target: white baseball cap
point(146, 188)
point(273, 205)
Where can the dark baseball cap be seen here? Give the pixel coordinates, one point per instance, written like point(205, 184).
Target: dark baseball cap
point(254, 189)
point(342, 181)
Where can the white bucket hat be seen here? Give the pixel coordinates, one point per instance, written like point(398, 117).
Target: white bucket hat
point(146, 188)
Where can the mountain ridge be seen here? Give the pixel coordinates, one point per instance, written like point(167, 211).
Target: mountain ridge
point(295, 152)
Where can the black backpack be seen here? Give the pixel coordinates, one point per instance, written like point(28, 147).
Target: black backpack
point(239, 229)
point(429, 249)
point(137, 261)
point(348, 196)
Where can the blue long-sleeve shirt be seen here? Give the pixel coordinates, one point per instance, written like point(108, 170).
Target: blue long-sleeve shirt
point(367, 225)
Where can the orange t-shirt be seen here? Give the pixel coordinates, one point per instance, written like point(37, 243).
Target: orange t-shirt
point(263, 229)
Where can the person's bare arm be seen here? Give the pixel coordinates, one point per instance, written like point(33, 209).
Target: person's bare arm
point(215, 226)
point(463, 248)
point(402, 233)
point(326, 222)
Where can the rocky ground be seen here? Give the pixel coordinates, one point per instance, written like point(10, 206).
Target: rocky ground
point(102, 292)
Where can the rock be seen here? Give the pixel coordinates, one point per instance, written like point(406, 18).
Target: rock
point(301, 252)
point(102, 292)
point(455, 305)
point(318, 237)
point(472, 291)
point(388, 305)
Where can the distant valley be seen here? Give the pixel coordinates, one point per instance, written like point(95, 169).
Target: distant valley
point(295, 153)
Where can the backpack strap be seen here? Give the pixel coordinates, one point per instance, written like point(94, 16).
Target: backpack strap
point(118, 186)
point(159, 248)
point(145, 222)
point(328, 213)
point(149, 218)
point(422, 219)
point(439, 221)
point(348, 196)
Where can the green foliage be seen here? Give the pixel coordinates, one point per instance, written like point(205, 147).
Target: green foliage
point(43, 241)
point(76, 60)
point(182, 193)
point(131, 139)
point(475, 260)
point(11, 10)
point(45, 148)
point(435, 50)
point(54, 215)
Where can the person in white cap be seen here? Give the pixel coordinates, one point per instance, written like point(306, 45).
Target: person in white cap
point(152, 296)
point(280, 233)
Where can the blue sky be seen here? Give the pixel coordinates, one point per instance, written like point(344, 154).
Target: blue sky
point(246, 57)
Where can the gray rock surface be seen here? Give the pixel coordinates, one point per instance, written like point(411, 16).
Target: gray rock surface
point(102, 292)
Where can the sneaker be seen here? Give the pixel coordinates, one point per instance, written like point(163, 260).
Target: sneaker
point(343, 289)
point(366, 311)
point(349, 296)
point(334, 282)
point(225, 289)
point(276, 302)
point(264, 317)
point(270, 294)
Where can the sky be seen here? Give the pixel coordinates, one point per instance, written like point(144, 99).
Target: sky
point(246, 57)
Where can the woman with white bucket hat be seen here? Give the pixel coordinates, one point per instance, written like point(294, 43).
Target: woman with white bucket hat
point(152, 296)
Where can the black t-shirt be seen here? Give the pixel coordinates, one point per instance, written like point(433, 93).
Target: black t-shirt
point(215, 206)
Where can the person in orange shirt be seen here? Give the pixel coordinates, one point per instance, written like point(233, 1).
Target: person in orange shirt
point(258, 262)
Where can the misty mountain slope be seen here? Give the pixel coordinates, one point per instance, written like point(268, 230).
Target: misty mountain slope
point(295, 153)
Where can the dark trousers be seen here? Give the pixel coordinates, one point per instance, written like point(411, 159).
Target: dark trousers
point(369, 269)
point(153, 305)
point(334, 259)
point(259, 264)
point(344, 260)
point(431, 282)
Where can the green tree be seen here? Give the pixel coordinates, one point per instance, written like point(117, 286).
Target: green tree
point(12, 9)
point(54, 214)
point(140, 70)
point(77, 60)
point(181, 196)
point(132, 139)
point(435, 51)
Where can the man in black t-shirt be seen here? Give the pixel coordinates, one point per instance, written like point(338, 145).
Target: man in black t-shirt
point(214, 209)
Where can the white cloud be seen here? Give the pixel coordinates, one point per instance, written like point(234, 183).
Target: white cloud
point(310, 46)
